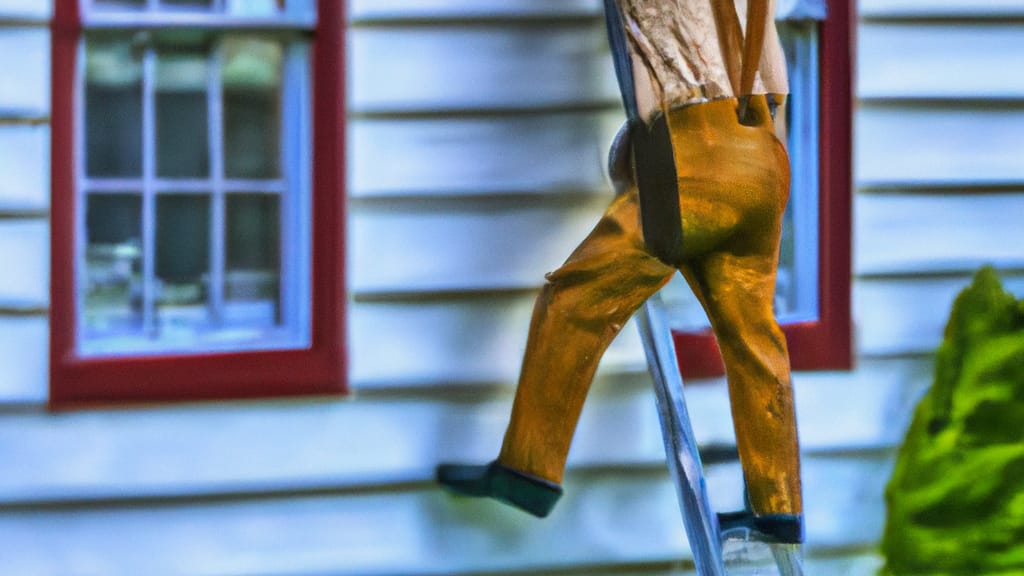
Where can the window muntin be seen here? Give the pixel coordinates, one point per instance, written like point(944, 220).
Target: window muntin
point(193, 230)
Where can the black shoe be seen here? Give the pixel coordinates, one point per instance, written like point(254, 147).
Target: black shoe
point(775, 528)
point(518, 489)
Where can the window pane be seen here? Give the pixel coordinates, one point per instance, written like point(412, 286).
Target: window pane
point(182, 139)
point(218, 277)
point(182, 249)
point(253, 229)
point(252, 108)
point(113, 109)
point(252, 280)
point(786, 302)
point(113, 265)
point(797, 287)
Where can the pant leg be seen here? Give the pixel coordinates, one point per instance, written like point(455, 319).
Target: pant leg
point(737, 294)
point(734, 184)
point(580, 310)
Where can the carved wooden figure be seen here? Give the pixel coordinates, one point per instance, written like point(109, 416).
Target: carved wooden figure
point(703, 186)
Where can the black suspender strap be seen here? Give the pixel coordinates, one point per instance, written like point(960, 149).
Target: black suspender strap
point(653, 160)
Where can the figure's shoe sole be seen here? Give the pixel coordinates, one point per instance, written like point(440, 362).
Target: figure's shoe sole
point(775, 528)
point(518, 489)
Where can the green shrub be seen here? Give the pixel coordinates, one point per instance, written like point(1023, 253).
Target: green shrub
point(956, 497)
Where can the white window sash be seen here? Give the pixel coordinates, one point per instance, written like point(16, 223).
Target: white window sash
point(292, 188)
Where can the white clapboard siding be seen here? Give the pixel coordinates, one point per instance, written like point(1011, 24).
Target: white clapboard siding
point(23, 362)
point(264, 447)
point(466, 245)
point(24, 71)
point(362, 11)
point(473, 341)
point(24, 263)
point(453, 342)
point(475, 125)
point(433, 9)
point(476, 156)
point(490, 245)
point(939, 145)
point(953, 60)
point(25, 166)
point(908, 315)
point(441, 342)
point(963, 9)
point(455, 67)
point(604, 519)
point(27, 9)
point(904, 233)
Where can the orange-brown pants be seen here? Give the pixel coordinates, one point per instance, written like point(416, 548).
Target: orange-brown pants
point(733, 184)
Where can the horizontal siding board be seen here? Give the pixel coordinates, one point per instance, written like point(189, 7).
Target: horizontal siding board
point(452, 68)
point(474, 245)
point(907, 315)
point(739, 555)
point(25, 273)
point(482, 340)
point(944, 144)
point(902, 234)
point(610, 518)
point(273, 447)
point(433, 9)
point(458, 341)
point(452, 341)
point(361, 11)
point(957, 60)
point(474, 156)
point(23, 363)
point(438, 342)
point(939, 8)
point(24, 72)
point(40, 9)
point(25, 165)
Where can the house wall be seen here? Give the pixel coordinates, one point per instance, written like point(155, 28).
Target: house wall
point(468, 181)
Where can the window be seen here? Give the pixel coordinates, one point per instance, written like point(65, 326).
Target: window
point(197, 203)
point(813, 289)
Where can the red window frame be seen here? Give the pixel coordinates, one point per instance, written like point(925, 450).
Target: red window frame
point(826, 343)
point(318, 369)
